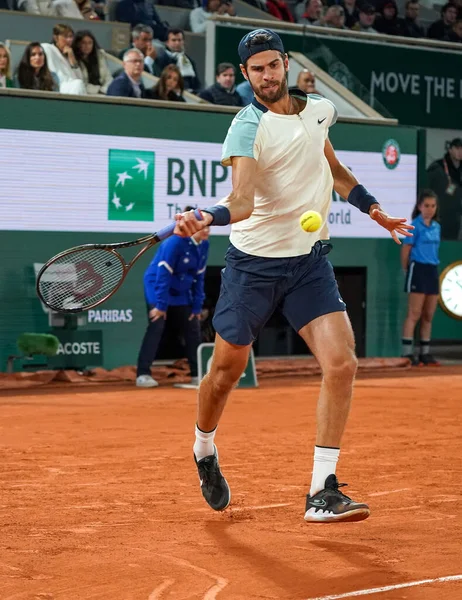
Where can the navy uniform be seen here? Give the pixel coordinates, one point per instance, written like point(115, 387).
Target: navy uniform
point(174, 282)
point(422, 273)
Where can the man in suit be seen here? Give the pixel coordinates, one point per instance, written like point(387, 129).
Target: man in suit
point(175, 46)
point(156, 57)
point(129, 83)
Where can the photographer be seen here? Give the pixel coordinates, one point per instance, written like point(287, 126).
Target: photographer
point(445, 178)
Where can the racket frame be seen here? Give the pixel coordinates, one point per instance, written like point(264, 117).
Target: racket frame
point(148, 240)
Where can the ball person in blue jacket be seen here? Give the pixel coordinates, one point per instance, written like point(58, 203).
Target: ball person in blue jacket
point(174, 290)
point(419, 259)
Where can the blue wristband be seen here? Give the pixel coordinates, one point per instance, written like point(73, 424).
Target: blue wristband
point(361, 198)
point(220, 214)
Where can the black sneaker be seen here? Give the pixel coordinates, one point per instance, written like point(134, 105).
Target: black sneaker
point(330, 505)
point(214, 486)
point(428, 360)
point(414, 360)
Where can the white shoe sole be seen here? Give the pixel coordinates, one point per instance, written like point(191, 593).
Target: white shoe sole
point(313, 515)
point(147, 385)
point(186, 386)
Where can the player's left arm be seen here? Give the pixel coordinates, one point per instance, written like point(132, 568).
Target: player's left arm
point(347, 186)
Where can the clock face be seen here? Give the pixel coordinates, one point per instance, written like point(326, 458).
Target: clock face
point(451, 290)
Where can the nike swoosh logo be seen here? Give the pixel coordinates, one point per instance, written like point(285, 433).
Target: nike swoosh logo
point(321, 120)
point(317, 503)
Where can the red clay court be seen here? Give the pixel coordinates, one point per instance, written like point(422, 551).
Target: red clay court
point(100, 498)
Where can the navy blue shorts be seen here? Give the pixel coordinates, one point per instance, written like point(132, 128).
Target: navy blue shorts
point(303, 287)
point(422, 278)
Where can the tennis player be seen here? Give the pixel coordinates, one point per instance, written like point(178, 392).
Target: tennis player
point(282, 164)
point(419, 259)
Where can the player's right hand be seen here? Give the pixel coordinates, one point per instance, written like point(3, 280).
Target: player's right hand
point(187, 223)
point(155, 314)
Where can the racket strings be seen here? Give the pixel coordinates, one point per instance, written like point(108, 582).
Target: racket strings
point(80, 279)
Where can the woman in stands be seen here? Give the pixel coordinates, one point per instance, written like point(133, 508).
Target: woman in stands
point(170, 85)
point(33, 72)
point(5, 67)
point(92, 62)
point(61, 60)
point(419, 258)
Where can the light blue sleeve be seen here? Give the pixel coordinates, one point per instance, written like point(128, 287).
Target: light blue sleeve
point(240, 140)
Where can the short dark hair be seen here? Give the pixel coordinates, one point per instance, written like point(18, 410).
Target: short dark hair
point(260, 39)
point(177, 30)
point(427, 193)
point(447, 6)
point(409, 2)
point(222, 67)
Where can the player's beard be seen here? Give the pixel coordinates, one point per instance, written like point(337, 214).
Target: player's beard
point(273, 95)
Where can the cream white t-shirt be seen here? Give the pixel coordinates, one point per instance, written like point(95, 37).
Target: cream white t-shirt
point(292, 175)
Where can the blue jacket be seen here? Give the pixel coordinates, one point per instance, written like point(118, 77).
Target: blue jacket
point(176, 274)
point(122, 86)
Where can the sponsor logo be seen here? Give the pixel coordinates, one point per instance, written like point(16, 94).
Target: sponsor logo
point(111, 316)
point(131, 185)
point(73, 348)
point(318, 502)
point(391, 154)
point(321, 120)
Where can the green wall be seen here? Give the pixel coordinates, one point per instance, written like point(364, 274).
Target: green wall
point(415, 85)
point(20, 310)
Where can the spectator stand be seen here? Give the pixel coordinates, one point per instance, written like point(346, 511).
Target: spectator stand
point(16, 25)
point(347, 103)
point(319, 33)
point(16, 48)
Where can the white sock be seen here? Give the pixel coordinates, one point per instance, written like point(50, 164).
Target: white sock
point(203, 446)
point(325, 463)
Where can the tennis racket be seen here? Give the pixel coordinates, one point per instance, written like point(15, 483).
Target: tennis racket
point(85, 276)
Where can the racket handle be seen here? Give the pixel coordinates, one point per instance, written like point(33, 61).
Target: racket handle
point(167, 231)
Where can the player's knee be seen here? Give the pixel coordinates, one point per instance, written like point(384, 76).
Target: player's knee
point(224, 377)
point(342, 365)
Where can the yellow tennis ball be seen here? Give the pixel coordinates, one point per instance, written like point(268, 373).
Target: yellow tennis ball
point(310, 221)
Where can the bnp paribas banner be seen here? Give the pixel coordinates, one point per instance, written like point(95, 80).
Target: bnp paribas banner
point(81, 182)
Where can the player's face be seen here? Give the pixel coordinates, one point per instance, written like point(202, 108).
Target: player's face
point(267, 75)
point(428, 208)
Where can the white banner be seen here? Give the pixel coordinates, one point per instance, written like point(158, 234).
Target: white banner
point(81, 182)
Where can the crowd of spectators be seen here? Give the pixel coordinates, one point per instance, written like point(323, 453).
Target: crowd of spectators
point(371, 16)
point(380, 16)
point(75, 64)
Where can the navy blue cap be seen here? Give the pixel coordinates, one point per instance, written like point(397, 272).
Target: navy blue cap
point(245, 50)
